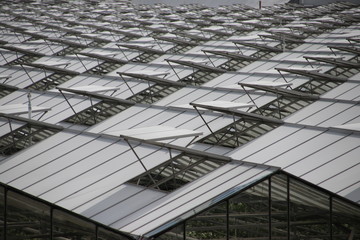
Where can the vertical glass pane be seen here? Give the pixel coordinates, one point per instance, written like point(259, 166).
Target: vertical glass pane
point(2, 210)
point(249, 213)
point(279, 207)
point(210, 224)
point(104, 234)
point(345, 221)
point(26, 218)
point(309, 212)
point(177, 233)
point(70, 227)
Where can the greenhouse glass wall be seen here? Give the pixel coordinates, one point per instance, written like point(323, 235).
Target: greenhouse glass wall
point(24, 217)
point(280, 207)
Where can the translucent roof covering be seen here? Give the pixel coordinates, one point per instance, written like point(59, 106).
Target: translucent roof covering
point(142, 118)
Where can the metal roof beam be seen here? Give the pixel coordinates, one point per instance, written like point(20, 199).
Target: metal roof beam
point(154, 79)
point(92, 36)
point(176, 40)
point(52, 68)
point(125, 33)
point(193, 37)
point(155, 30)
point(197, 66)
point(14, 28)
point(354, 50)
point(288, 34)
point(258, 46)
point(217, 32)
point(305, 29)
point(282, 38)
point(102, 57)
point(102, 97)
point(313, 74)
point(23, 51)
point(141, 48)
point(321, 25)
point(9, 87)
point(353, 39)
point(67, 42)
point(282, 91)
point(239, 113)
point(32, 122)
point(182, 149)
point(335, 61)
point(231, 55)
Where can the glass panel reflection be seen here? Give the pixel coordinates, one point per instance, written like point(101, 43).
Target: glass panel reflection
point(303, 213)
point(2, 212)
point(210, 224)
point(104, 234)
point(249, 213)
point(176, 233)
point(279, 207)
point(26, 218)
point(309, 212)
point(70, 227)
point(345, 221)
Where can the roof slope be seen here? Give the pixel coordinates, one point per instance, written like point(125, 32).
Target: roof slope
point(138, 117)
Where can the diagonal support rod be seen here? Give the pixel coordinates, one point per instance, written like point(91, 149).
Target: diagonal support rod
point(76, 114)
point(207, 125)
point(139, 159)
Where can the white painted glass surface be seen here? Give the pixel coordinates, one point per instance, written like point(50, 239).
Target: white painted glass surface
point(303, 114)
point(73, 196)
point(274, 148)
point(346, 91)
point(305, 157)
point(52, 161)
point(125, 207)
point(22, 163)
point(333, 114)
point(128, 118)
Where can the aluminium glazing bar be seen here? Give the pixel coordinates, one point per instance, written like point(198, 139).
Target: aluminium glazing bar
point(96, 95)
point(282, 91)
point(198, 66)
point(22, 50)
point(288, 34)
point(282, 38)
point(313, 74)
point(9, 87)
point(154, 79)
point(176, 40)
point(239, 113)
point(193, 37)
point(353, 39)
point(335, 61)
point(217, 32)
point(32, 122)
point(186, 150)
point(53, 68)
point(231, 55)
point(142, 48)
point(354, 50)
point(258, 46)
point(67, 42)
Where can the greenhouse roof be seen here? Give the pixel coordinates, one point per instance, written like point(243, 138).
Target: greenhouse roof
point(138, 129)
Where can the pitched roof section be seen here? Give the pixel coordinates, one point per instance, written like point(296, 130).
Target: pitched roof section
point(159, 112)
